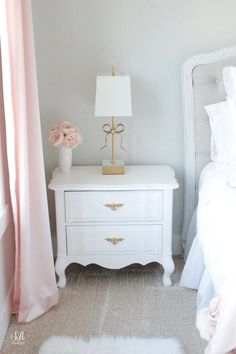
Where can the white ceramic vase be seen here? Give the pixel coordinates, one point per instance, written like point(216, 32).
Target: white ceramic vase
point(65, 158)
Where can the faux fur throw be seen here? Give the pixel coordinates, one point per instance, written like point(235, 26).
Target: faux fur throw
point(110, 345)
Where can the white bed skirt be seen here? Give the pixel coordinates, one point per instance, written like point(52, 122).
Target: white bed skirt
point(195, 276)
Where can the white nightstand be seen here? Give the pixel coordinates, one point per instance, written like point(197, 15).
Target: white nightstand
point(114, 220)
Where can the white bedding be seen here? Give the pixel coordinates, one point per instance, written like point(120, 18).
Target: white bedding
point(216, 222)
point(216, 234)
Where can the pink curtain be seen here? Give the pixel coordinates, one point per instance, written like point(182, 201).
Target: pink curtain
point(35, 289)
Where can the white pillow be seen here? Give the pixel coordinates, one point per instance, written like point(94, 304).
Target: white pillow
point(232, 109)
point(223, 145)
point(229, 77)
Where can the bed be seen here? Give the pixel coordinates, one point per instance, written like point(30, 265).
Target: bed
point(210, 263)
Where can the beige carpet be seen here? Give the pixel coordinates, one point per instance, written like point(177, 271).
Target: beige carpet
point(126, 302)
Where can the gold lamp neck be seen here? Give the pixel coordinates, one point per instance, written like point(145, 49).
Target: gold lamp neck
point(113, 70)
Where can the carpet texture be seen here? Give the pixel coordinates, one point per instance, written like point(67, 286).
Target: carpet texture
point(110, 345)
point(126, 302)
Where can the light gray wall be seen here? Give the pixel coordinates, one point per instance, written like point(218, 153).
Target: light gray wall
point(149, 39)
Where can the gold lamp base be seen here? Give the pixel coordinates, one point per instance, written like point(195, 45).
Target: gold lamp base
point(109, 168)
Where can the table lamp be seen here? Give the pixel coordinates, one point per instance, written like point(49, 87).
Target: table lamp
point(113, 99)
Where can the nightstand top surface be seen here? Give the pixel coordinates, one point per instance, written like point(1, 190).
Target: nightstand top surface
point(141, 177)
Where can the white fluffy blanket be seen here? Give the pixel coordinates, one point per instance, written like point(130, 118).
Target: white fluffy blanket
point(216, 232)
point(110, 345)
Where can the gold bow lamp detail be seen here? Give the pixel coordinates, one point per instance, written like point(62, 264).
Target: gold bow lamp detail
point(113, 99)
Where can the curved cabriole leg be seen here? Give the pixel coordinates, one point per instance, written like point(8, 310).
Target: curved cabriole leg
point(60, 270)
point(169, 267)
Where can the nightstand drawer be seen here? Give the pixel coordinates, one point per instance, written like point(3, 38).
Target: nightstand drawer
point(113, 206)
point(114, 239)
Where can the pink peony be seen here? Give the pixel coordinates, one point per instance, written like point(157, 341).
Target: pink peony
point(56, 137)
point(73, 139)
point(65, 133)
point(67, 127)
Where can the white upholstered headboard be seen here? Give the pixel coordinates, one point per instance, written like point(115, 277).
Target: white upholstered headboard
point(201, 85)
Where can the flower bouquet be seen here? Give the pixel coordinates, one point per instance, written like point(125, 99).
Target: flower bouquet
point(66, 136)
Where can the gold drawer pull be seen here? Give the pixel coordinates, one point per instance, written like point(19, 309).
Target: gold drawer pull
point(114, 240)
point(114, 206)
